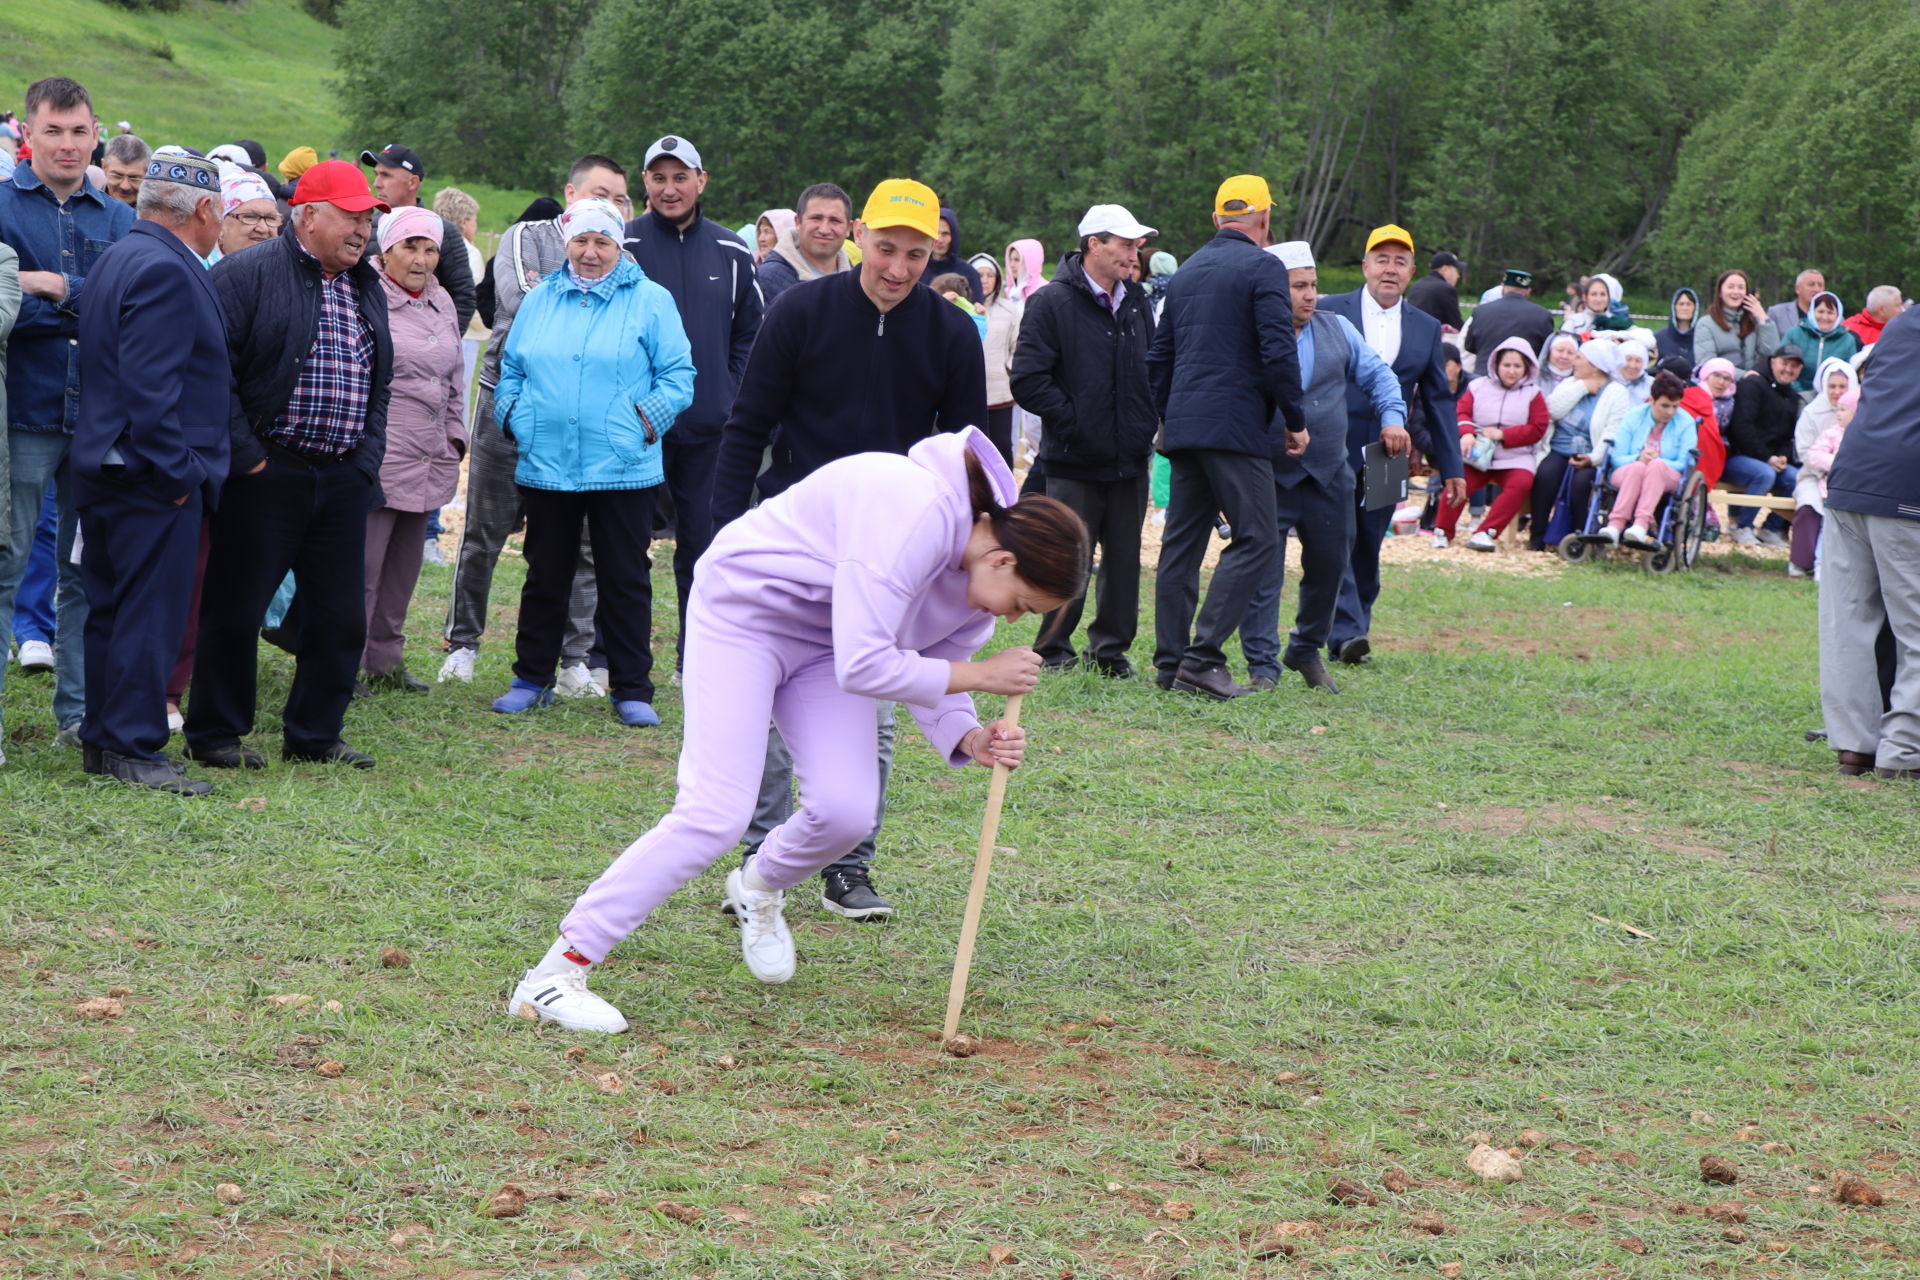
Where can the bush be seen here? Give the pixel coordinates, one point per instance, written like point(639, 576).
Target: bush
point(162, 50)
point(327, 11)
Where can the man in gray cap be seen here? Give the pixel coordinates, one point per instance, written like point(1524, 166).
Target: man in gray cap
point(149, 455)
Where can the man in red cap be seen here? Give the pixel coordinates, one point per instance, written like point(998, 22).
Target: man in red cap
point(307, 334)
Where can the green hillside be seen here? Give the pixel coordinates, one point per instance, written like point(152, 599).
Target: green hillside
point(207, 74)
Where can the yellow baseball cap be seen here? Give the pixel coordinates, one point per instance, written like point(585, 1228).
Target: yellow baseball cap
point(1245, 193)
point(1390, 234)
point(902, 202)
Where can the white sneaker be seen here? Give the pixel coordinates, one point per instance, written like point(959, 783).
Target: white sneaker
point(1482, 541)
point(1440, 542)
point(764, 940)
point(1636, 536)
point(564, 998)
point(577, 682)
point(432, 554)
point(1610, 533)
point(36, 655)
point(1770, 538)
point(175, 721)
point(1795, 571)
point(602, 677)
point(458, 666)
point(1745, 538)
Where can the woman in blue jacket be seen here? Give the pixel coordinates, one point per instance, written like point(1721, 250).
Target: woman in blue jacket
point(595, 371)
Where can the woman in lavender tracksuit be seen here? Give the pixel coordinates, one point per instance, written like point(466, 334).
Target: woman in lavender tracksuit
point(876, 577)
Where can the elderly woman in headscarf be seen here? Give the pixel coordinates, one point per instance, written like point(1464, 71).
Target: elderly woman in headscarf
point(1020, 281)
point(1002, 315)
point(1556, 361)
point(595, 370)
point(426, 435)
point(249, 212)
point(768, 230)
point(1586, 408)
point(1831, 383)
point(1603, 310)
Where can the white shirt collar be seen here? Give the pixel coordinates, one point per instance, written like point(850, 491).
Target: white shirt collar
point(1368, 302)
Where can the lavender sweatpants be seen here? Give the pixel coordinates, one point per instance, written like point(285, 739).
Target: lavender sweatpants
point(735, 681)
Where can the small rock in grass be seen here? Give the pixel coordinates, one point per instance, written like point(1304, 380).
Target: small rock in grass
point(521, 1105)
point(1397, 1180)
point(577, 1053)
point(1348, 1192)
point(727, 1062)
point(1531, 1138)
point(1719, 1169)
point(1727, 1211)
point(118, 992)
point(1450, 1270)
point(1747, 1133)
point(289, 1000)
point(1001, 1255)
point(527, 1011)
point(961, 1046)
point(813, 1199)
point(333, 1006)
point(1775, 1149)
point(1702, 1118)
point(610, 1083)
point(1288, 1077)
point(1317, 730)
point(1632, 1244)
point(664, 1087)
point(1734, 1235)
point(394, 958)
point(330, 1069)
point(1431, 1223)
point(1852, 1189)
point(229, 1193)
point(1104, 1020)
point(100, 1007)
point(1480, 1137)
point(1493, 1164)
point(1177, 1210)
point(510, 1201)
point(1014, 1106)
point(1284, 1240)
point(1776, 1246)
point(678, 1212)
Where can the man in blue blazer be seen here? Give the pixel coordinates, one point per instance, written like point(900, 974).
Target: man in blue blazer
point(1408, 339)
point(149, 455)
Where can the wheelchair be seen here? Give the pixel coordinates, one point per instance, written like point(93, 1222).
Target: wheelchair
point(1680, 522)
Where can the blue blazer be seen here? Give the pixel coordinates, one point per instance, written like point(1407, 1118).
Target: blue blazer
point(156, 388)
point(1420, 367)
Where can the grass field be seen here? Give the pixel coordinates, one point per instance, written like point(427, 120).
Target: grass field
point(1335, 938)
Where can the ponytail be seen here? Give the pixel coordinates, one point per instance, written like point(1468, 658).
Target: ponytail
point(1049, 542)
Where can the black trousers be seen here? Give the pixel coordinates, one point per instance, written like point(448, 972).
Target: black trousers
point(1113, 511)
point(1546, 487)
point(1206, 483)
point(310, 519)
point(1323, 517)
point(136, 565)
point(621, 522)
point(689, 469)
point(999, 429)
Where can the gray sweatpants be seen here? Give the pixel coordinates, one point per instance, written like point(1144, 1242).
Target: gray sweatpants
point(1870, 574)
point(493, 512)
point(775, 805)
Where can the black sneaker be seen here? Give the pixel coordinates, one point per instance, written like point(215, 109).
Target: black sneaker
point(849, 892)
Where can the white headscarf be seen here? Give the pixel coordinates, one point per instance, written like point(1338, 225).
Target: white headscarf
point(592, 214)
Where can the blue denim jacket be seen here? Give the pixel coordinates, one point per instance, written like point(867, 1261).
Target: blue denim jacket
point(43, 366)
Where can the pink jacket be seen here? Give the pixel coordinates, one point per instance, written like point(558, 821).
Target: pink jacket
point(426, 435)
point(862, 559)
point(1819, 459)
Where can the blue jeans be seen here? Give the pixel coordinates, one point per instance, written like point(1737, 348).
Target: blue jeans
point(1757, 476)
point(33, 605)
point(39, 458)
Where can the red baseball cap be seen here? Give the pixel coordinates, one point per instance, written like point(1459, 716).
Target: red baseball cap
point(337, 183)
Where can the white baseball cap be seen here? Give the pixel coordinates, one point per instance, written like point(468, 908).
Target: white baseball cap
point(1294, 255)
point(676, 147)
point(1113, 220)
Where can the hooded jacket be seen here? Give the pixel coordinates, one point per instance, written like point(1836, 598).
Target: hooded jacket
point(1083, 370)
point(1673, 341)
point(1002, 316)
point(1519, 411)
point(781, 220)
point(1032, 259)
point(787, 266)
point(1818, 345)
point(1615, 318)
point(937, 267)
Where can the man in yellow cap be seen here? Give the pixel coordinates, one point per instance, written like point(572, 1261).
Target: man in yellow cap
point(856, 362)
point(1409, 340)
point(1222, 364)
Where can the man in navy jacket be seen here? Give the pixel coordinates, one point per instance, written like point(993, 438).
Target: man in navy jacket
point(709, 272)
point(1408, 339)
point(149, 453)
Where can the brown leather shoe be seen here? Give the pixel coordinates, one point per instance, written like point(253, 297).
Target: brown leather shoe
point(1854, 763)
point(1314, 672)
point(1211, 682)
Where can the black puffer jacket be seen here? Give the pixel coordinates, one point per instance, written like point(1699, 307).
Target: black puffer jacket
point(1764, 414)
point(270, 294)
point(1084, 371)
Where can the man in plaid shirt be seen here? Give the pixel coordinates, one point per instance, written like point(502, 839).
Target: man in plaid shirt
point(307, 332)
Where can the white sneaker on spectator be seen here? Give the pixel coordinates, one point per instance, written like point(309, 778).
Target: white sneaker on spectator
point(1610, 533)
point(1795, 571)
point(577, 682)
point(1744, 538)
point(458, 666)
point(36, 655)
point(432, 554)
point(1482, 541)
point(175, 721)
point(1770, 538)
point(1440, 542)
point(1636, 536)
point(765, 941)
point(564, 998)
point(602, 677)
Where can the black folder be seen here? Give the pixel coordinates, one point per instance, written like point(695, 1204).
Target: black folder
point(1383, 480)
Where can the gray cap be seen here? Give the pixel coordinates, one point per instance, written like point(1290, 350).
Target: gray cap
point(677, 147)
point(1789, 351)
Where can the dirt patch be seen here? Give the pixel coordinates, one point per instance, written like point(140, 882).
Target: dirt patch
point(1508, 820)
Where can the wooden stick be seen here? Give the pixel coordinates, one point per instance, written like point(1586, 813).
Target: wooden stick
point(977, 893)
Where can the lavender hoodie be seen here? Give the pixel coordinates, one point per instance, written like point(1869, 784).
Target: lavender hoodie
point(862, 558)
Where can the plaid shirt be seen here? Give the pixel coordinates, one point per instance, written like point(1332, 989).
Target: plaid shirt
point(327, 414)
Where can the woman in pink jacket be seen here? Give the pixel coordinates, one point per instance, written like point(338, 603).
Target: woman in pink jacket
point(425, 435)
point(1502, 417)
point(877, 577)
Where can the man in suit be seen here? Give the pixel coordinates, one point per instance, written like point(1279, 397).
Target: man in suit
point(1409, 341)
point(1514, 314)
point(1313, 493)
point(149, 453)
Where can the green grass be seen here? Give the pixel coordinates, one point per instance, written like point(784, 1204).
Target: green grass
point(1338, 936)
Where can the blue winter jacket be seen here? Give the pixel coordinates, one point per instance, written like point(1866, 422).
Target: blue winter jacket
point(591, 380)
point(1676, 442)
point(43, 358)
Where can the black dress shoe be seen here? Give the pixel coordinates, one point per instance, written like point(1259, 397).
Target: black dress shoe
point(1163, 677)
point(1263, 684)
point(1853, 764)
point(1313, 671)
point(1211, 682)
point(1059, 663)
point(332, 753)
point(396, 680)
point(1354, 652)
point(849, 892)
point(1112, 668)
point(228, 755)
point(155, 775)
point(360, 691)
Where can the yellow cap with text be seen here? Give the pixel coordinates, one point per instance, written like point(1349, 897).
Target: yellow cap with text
point(902, 202)
point(1244, 193)
point(1390, 234)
